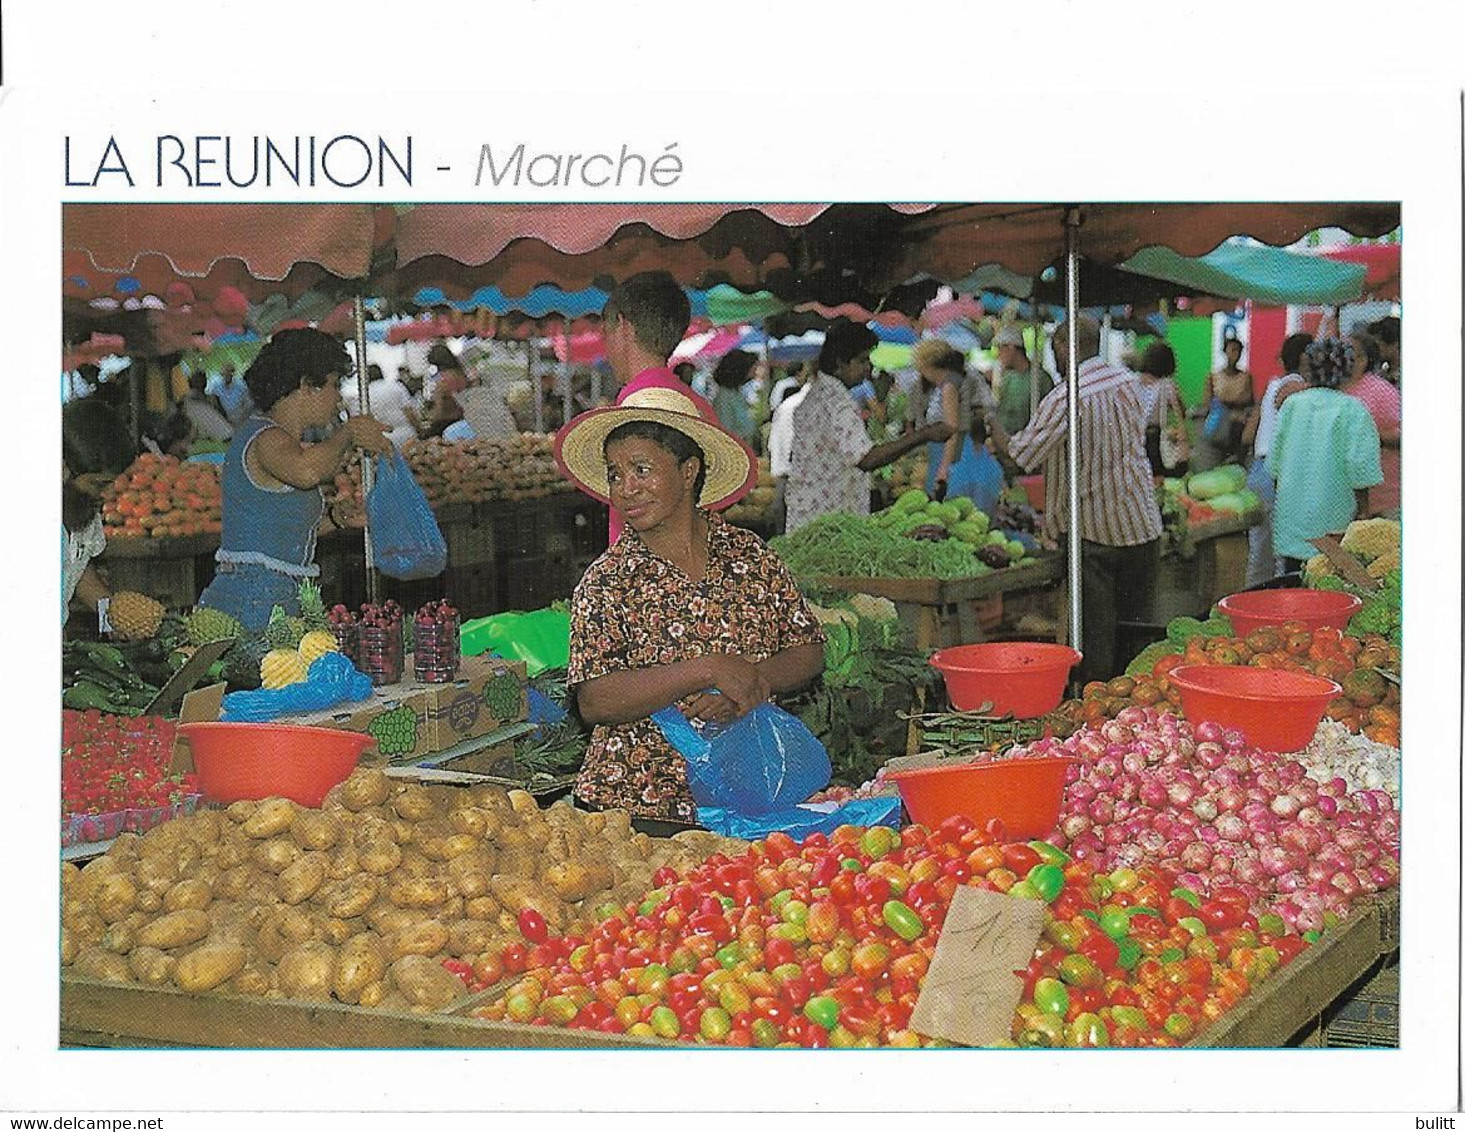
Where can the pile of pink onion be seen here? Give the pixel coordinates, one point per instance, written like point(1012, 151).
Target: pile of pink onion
point(1151, 788)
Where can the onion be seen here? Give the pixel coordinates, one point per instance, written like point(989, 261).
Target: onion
point(1317, 872)
point(1151, 841)
point(1291, 772)
point(1285, 805)
point(1209, 755)
point(1221, 863)
point(1086, 845)
point(1327, 805)
point(1381, 877)
point(1209, 833)
point(1114, 835)
point(1248, 870)
point(1345, 883)
point(1291, 882)
point(1075, 824)
point(1230, 799)
point(1133, 762)
point(1208, 731)
point(1276, 860)
point(1313, 815)
point(1152, 793)
point(1115, 732)
point(1132, 716)
point(1350, 840)
point(1305, 791)
point(1230, 827)
point(1205, 809)
point(1101, 809)
point(1181, 794)
point(1106, 765)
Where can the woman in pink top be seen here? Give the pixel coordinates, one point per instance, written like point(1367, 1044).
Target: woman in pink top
point(1382, 400)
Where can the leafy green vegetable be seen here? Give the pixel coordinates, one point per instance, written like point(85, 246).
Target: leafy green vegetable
point(1147, 659)
point(854, 546)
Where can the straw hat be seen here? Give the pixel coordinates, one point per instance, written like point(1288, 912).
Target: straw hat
point(579, 447)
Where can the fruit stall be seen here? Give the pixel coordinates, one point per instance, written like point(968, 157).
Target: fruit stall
point(1177, 862)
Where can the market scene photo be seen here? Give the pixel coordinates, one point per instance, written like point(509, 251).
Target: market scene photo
point(814, 626)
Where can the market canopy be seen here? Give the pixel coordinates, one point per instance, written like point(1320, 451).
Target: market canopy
point(1266, 275)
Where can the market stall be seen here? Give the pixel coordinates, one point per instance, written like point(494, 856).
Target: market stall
point(1196, 882)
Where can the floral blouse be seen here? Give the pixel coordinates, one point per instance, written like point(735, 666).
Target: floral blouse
point(633, 609)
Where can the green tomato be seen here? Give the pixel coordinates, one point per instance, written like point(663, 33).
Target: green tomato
point(1043, 1032)
point(729, 956)
point(852, 865)
point(1191, 924)
point(879, 840)
point(1271, 924)
point(653, 898)
point(1050, 854)
point(1130, 953)
point(1080, 971)
point(1065, 935)
point(780, 898)
point(715, 1023)
point(665, 1023)
point(1047, 880)
point(1051, 997)
point(794, 912)
point(765, 1034)
point(1178, 1026)
point(1024, 890)
point(903, 921)
point(1086, 1031)
point(1115, 924)
point(1171, 955)
point(559, 1009)
point(1191, 898)
point(1130, 1016)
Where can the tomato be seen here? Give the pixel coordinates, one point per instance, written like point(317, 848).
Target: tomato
point(1049, 854)
point(1101, 949)
point(1047, 880)
point(765, 1033)
point(1020, 858)
point(1086, 1031)
point(1051, 997)
point(532, 926)
point(870, 960)
point(513, 956)
point(984, 859)
point(903, 921)
point(1080, 971)
point(842, 889)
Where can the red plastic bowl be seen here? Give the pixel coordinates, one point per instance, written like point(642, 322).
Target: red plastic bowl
point(238, 761)
point(1317, 609)
point(1036, 489)
point(1024, 679)
point(1275, 709)
point(1024, 794)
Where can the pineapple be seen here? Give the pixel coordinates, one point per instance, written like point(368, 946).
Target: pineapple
point(315, 644)
point(281, 632)
point(312, 607)
point(134, 616)
point(281, 667)
point(205, 625)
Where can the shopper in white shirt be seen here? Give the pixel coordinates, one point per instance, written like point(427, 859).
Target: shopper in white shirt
point(832, 454)
point(1261, 559)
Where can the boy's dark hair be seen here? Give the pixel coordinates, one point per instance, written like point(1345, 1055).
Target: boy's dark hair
point(843, 342)
point(1370, 347)
point(1292, 350)
point(656, 308)
point(733, 369)
point(679, 444)
point(1158, 359)
point(291, 357)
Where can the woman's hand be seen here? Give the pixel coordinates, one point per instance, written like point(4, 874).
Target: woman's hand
point(369, 433)
point(740, 682)
point(710, 707)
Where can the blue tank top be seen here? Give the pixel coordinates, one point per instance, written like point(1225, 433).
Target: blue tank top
point(271, 527)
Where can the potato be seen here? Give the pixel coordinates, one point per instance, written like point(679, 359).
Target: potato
point(360, 962)
point(384, 918)
point(234, 849)
point(238, 883)
point(418, 892)
point(124, 846)
point(276, 855)
point(187, 858)
point(414, 804)
point(343, 862)
point(522, 802)
point(349, 898)
point(560, 847)
point(94, 872)
point(207, 827)
point(521, 863)
point(494, 799)
point(188, 894)
point(272, 818)
point(150, 966)
point(425, 982)
point(379, 857)
point(404, 832)
point(373, 994)
point(116, 896)
point(69, 946)
point(481, 908)
point(149, 901)
point(241, 812)
point(446, 848)
point(164, 840)
point(313, 830)
point(576, 880)
point(516, 894)
point(415, 866)
point(298, 883)
point(155, 874)
point(96, 963)
point(475, 821)
point(307, 971)
point(255, 979)
point(297, 924)
point(470, 873)
point(593, 824)
point(87, 927)
point(426, 937)
point(450, 909)
point(174, 929)
point(120, 937)
point(470, 937)
point(206, 967)
point(232, 923)
point(365, 788)
point(336, 931)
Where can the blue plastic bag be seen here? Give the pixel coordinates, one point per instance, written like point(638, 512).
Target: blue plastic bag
point(405, 540)
point(767, 760)
point(978, 476)
point(800, 821)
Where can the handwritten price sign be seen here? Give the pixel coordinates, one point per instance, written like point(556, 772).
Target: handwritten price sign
point(972, 988)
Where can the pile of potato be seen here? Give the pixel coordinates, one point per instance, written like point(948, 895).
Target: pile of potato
point(358, 901)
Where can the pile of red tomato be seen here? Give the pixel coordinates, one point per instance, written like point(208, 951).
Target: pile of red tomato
point(825, 943)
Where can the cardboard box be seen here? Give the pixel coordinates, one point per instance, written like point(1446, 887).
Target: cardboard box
point(412, 719)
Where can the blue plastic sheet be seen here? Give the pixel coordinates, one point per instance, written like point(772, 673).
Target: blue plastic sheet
point(800, 821)
point(767, 760)
point(332, 680)
point(406, 542)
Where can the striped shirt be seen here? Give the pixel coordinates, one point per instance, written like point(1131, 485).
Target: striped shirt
point(1116, 490)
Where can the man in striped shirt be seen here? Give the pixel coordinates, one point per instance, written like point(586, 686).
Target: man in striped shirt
point(1119, 519)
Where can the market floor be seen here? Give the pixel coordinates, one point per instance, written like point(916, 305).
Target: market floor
point(1369, 1017)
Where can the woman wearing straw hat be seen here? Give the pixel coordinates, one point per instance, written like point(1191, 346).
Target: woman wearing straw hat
point(684, 609)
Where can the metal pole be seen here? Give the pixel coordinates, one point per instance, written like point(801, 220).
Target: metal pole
point(363, 402)
point(1071, 222)
point(534, 384)
point(568, 378)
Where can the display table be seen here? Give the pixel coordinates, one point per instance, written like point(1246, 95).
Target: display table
point(1279, 1012)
